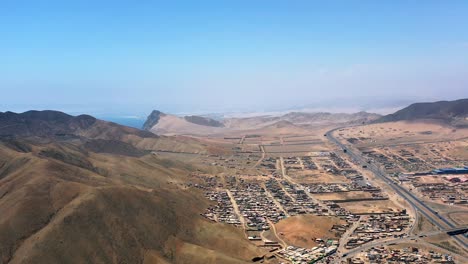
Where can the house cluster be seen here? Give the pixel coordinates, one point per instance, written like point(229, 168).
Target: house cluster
point(352, 174)
point(410, 162)
point(406, 255)
point(354, 185)
point(308, 163)
point(292, 163)
point(269, 164)
point(387, 163)
point(329, 167)
point(438, 158)
point(298, 255)
point(204, 182)
point(339, 162)
point(294, 200)
point(256, 206)
point(377, 226)
point(453, 191)
point(337, 209)
point(357, 184)
point(222, 211)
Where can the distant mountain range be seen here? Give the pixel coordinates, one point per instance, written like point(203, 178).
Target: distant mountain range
point(162, 123)
point(451, 112)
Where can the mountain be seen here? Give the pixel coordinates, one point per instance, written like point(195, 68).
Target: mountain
point(166, 124)
point(152, 119)
point(81, 190)
point(203, 121)
point(452, 112)
point(57, 124)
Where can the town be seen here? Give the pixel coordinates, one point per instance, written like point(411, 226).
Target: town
point(270, 180)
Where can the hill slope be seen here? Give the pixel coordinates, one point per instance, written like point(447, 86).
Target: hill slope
point(204, 121)
point(174, 125)
point(57, 124)
point(102, 136)
point(453, 112)
point(152, 119)
point(85, 199)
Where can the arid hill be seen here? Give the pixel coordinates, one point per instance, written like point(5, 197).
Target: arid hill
point(99, 196)
point(204, 121)
point(57, 124)
point(329, 118)
point(173, 125)
point(452, 112)
point(51, 126)
point(152, 119)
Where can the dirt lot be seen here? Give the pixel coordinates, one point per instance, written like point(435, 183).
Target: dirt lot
point(342, 195)
point(402, 133)
point(424, 225)
point(371, 206)
point(459, 217)
point(317, 177)
point(445, 242)
point(430, 179)
point(302, 230)
point(304, 149)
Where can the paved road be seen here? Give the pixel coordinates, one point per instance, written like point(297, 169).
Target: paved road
point(414, 201)
point(409, 239)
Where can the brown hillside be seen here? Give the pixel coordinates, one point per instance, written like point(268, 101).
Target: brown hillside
point(57, 212)
point(96, 194)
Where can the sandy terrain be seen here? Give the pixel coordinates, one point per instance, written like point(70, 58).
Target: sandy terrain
point(402, 132)
point(172, 125)
point(371, 207)
point(304, 229)
point(459, 217)
point(342, 195)
point(317, 177)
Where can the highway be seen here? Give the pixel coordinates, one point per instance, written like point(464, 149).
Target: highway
point(435, 218)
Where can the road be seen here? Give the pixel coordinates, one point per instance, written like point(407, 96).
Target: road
point(414, 201)
point(280, 206)
point(236, 208)
point(344, 238)
point(241, 141)
point(262, 148)
point(273, 228)
point(409, 239)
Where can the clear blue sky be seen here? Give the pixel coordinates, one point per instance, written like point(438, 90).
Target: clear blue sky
point(132, 56)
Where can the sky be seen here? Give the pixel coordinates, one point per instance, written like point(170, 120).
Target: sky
point(129, 57)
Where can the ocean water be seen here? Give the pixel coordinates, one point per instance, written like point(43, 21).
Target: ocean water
point(126, 121)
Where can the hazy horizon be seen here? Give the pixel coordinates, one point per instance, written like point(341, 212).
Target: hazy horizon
point(120, 59)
